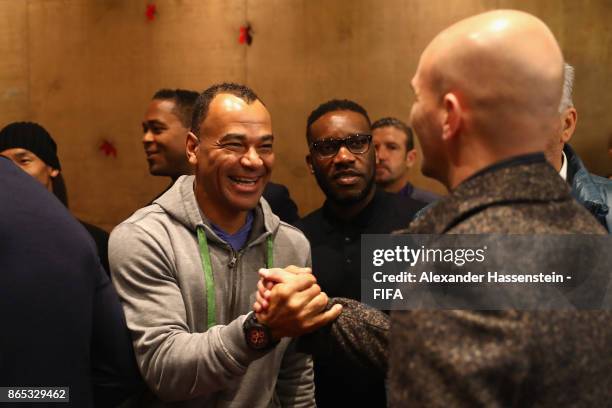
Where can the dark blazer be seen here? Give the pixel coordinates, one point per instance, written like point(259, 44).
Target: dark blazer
point(468, 358)
point(62, 324)
point(281, 203)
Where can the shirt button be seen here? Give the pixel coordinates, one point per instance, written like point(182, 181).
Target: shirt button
point(348, 260)
point(347, 239)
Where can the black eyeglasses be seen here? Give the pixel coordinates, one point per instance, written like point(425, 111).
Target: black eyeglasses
point(357, 144)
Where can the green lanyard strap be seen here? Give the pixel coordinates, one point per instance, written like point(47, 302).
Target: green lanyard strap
point(211, 303)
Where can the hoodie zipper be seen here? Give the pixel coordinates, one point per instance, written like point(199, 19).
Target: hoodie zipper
point(233, 266)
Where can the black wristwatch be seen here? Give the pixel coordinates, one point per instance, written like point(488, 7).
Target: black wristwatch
point(257, 335)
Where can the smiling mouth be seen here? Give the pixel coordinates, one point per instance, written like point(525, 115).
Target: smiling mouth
point(245, 181)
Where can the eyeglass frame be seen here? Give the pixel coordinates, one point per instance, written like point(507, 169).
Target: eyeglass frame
point(340, 142)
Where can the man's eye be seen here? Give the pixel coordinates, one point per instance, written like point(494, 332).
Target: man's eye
point(266, 148)
point(234, 146)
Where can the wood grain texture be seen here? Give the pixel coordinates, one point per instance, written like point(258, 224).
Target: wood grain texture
point(86, 70)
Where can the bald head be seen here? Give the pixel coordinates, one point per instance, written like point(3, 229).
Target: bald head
point(498, 78)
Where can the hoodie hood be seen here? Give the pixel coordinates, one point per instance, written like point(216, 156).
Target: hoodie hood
point(179, 202)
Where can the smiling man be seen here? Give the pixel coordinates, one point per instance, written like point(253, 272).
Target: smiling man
point(186, 268)
point(165, 127)
point(343, 162)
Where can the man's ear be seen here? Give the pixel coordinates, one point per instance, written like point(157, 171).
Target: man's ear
point(411, 157)
point(570, 118)
point(309, 163)
point(53, 172)
point(193, 144)
point(452, 116)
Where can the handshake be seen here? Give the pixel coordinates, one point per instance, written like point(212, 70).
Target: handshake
point(290, 302)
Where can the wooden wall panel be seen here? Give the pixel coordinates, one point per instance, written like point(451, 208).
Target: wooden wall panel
point(86, 69)
point(14, 64)
point(95, 66)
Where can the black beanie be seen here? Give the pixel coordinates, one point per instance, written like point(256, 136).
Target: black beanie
point(33, 137)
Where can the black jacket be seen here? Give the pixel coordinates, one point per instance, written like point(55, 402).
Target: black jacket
point(336, 257)
point(62, 321)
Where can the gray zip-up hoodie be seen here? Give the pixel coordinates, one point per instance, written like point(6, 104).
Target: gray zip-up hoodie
point(157, 271)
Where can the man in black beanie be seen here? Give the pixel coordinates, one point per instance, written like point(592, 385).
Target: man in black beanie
point(33, 149)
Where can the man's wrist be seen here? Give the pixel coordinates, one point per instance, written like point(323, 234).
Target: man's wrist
point(258, 336)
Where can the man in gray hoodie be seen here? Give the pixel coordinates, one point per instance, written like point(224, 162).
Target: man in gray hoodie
point(186, 267)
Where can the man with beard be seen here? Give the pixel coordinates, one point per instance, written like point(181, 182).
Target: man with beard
point(395, 156)
point(343, 161)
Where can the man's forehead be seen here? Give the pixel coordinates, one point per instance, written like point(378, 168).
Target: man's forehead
point(17, 151)
point(160, 107)
point(227, 115)
point(341, 119)
point(232, 108)
point(388, 135)
point(387, 132)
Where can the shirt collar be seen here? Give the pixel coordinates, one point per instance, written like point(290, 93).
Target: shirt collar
point(563, 171)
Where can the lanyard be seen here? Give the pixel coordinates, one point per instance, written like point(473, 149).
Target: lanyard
point(211, 304)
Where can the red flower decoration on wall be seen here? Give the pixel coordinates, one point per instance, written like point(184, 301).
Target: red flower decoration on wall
point(108, 149)
point(246, 35)
point(151, 12)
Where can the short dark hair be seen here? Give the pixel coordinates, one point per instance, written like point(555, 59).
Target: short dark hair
point(399, 125)
point(183, 100)
point(333, 106)
point(202, 104)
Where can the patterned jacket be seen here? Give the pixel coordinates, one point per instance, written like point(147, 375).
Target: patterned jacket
point(463, 358)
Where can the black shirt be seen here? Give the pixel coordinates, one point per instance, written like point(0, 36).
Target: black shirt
point(336, 257)
point(336, 243)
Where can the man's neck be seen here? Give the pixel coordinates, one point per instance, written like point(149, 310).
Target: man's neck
point(227, 219)
point(346, 212)
point(467, 168)
point(186, 172)
point(396, 185)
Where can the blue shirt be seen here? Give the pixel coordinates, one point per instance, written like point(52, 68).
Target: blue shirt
point(239, 239)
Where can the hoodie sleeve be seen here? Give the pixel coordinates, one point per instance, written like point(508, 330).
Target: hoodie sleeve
point(175, 363)
point(295, 385)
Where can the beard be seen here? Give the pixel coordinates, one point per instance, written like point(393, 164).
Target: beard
point(344, 199)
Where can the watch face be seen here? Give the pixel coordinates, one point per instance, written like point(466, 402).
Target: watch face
point(257, 337)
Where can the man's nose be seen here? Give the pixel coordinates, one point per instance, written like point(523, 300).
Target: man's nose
point(147, 137)
point(344, 155)
point(251, 158)
point(381, 154)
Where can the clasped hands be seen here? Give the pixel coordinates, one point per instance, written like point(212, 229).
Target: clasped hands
point(290, 302)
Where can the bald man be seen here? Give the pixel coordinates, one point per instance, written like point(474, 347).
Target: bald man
point(487, 95)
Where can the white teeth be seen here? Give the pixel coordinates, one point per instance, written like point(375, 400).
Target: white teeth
point(243, 180)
